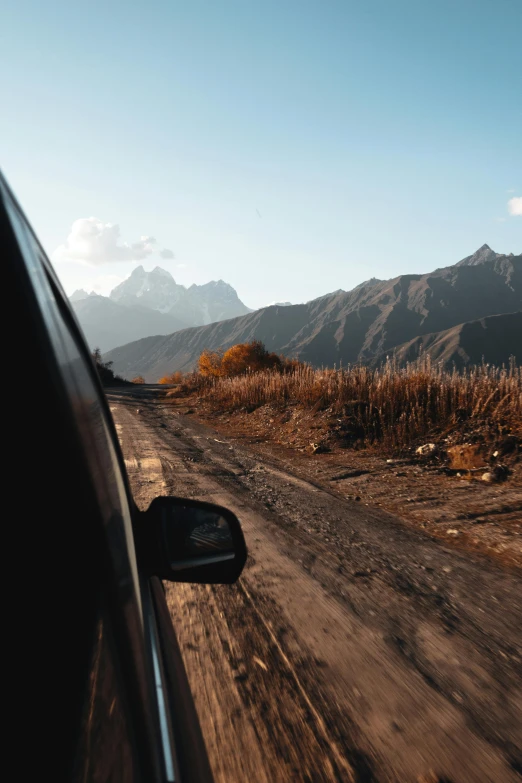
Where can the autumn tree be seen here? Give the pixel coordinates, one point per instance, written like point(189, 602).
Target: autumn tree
point(247, 357)
point(237, 360)
point(209, 363)
point(173, 378)
point(138, 379)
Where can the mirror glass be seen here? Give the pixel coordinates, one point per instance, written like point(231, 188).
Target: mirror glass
point(197, 537)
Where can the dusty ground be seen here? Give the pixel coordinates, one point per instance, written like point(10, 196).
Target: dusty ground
point(441, 493)
point(355, 646)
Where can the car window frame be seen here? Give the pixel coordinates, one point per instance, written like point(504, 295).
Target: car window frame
point(34, 259)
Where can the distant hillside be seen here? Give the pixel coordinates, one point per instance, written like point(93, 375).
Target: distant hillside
point(356, 326)
point(493, 339)
point(106, 324)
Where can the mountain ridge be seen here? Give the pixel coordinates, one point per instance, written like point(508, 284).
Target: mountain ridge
point(196, 305)
point(480, 256)
point(355, 326)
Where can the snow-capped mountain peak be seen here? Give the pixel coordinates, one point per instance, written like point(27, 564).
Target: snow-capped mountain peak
point(197, 305)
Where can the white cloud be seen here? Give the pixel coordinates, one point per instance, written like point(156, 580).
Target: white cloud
point(166, 253)
point(181, 266)
point(94, 243)
point(515, 206)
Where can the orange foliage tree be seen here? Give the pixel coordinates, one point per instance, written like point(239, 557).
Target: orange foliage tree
point(138, 379)
point(173, 378)
point(237, 360)
point(209, 363)
point(248, 357)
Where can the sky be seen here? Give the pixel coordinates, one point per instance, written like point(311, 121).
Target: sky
point(289, 147)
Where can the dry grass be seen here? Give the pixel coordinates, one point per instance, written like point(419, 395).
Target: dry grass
point(393, 406)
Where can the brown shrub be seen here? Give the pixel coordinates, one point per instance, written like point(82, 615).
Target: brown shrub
point(172, 379)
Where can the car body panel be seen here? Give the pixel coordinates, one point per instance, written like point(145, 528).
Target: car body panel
point(90, 515)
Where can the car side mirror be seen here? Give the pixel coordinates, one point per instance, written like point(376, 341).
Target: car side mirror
point(185, 540)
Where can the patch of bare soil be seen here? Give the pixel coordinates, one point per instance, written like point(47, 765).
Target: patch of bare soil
point(464, 487)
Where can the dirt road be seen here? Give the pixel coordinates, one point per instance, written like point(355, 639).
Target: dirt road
point(353, 648)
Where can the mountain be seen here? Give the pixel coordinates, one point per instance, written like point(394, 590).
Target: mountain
point(150, 303)
point(156, 290)
point(346, 327)
point(80, 294)
point(195, 306)
point(493, 339)
point(482, 256)
point(107, 324)
point(215, 301)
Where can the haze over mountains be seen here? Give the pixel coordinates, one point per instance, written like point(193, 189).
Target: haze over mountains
point(152, 303)
point(458, 314)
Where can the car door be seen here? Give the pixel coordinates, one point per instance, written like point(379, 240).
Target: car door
point(131, 699)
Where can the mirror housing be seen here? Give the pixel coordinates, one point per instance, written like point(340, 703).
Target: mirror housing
point(183, 540)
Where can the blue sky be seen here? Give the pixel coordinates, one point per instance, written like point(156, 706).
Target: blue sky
point(289, 148)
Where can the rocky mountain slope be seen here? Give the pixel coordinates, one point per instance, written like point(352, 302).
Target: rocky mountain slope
point(361, 325)
point(481, 256)
point(493, 339)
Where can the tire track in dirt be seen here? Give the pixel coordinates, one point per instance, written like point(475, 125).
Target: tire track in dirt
point(362, 659)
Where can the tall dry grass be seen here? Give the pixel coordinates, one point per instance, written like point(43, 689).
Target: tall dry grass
point(392, 405)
